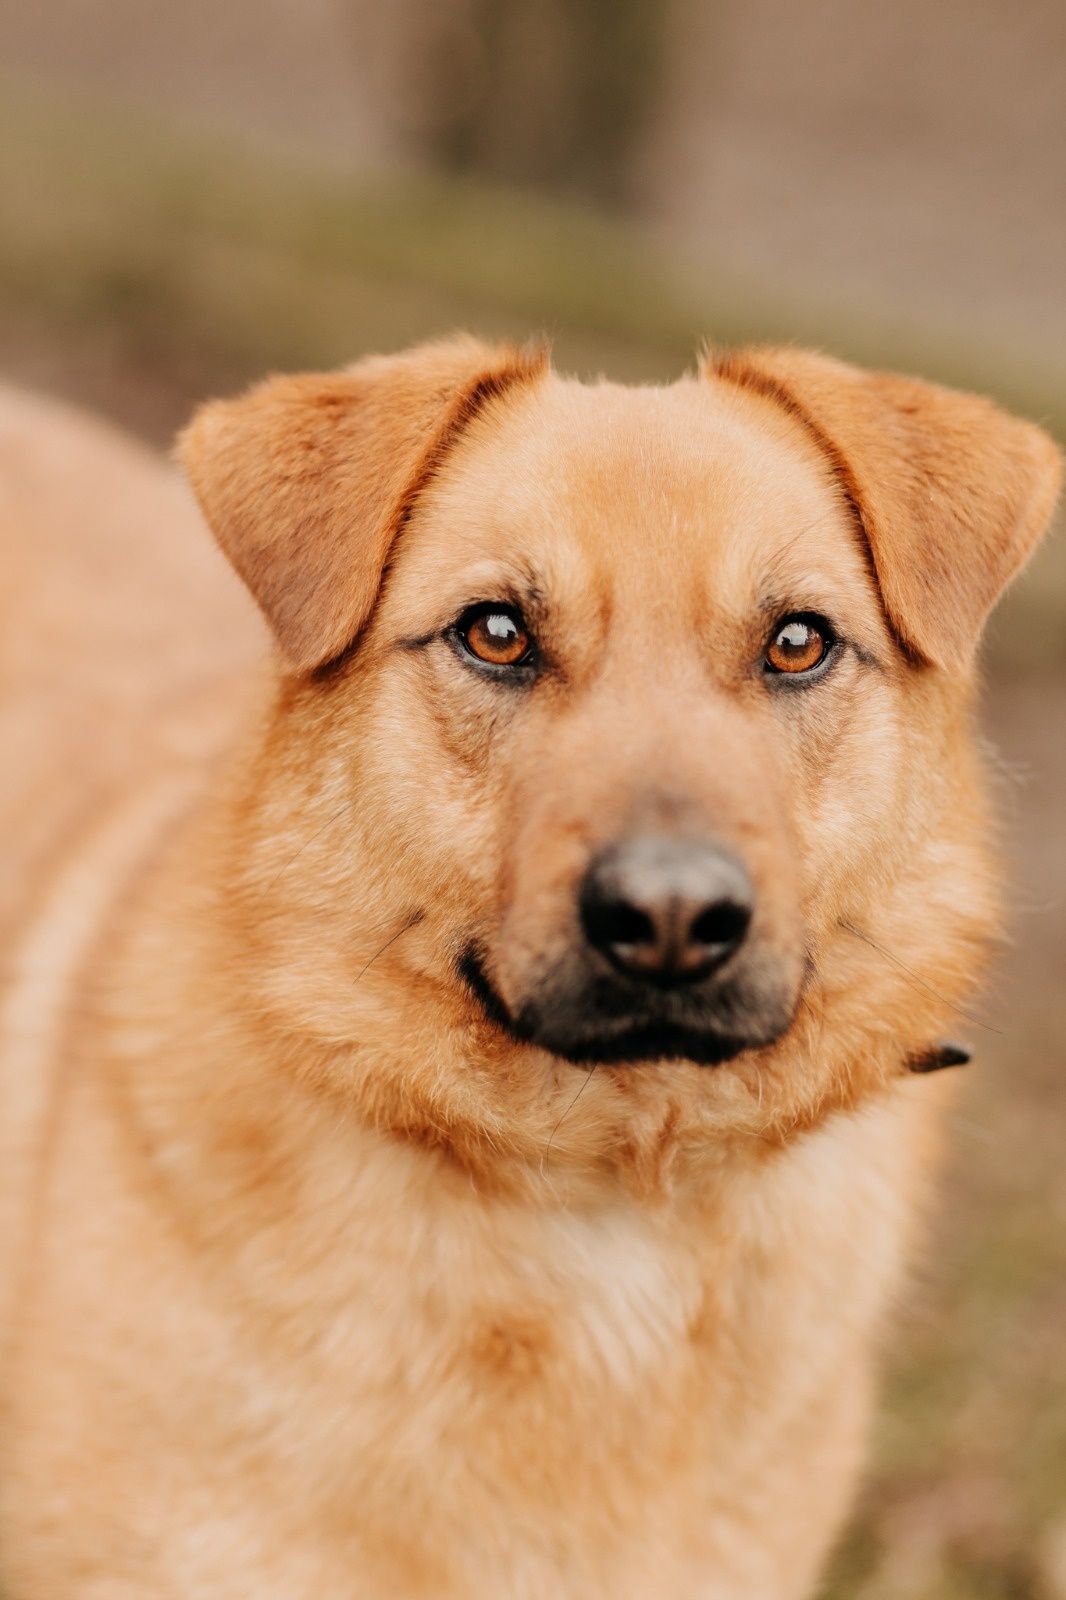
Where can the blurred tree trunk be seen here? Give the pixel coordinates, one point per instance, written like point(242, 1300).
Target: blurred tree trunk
point(549, 92)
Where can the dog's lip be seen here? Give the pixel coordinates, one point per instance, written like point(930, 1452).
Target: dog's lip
point(645, 1044)
point(471, 969)
point(631, 1042)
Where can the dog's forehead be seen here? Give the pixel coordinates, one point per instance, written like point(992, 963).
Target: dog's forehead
point(697, 483)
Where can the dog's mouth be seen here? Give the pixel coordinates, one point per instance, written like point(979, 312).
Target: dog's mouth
point(606, 1021)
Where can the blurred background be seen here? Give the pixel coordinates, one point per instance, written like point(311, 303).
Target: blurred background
point(191, 195)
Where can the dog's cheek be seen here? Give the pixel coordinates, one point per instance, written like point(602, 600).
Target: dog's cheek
point(435, 780)
point(851, 807)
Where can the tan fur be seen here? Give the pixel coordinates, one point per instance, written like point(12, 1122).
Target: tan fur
point(317, 1283)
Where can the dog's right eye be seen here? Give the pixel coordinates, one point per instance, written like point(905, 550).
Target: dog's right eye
point(495, 636)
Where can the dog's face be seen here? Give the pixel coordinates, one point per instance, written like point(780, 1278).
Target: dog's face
point(650, 703)
point(625, 633)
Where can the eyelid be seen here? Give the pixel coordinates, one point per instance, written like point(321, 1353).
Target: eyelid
point(488, 608)
point(775, 615)
point(451, 618)
point(485, 608)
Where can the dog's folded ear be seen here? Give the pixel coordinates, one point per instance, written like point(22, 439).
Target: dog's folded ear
point(952, 493)
point(306, 479)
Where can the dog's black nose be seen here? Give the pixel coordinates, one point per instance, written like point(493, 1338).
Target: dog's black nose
point(666, 911)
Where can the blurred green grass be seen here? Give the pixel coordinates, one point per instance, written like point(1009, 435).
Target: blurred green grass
point(141, 269)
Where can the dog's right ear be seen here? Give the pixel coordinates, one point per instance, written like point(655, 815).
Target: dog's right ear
point(305, 480)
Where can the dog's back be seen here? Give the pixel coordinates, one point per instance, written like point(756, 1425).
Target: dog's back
point(114, 601)
point(120, 632)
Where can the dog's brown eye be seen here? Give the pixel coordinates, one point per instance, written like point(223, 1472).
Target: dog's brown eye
point(495, 635)
point(799, 645)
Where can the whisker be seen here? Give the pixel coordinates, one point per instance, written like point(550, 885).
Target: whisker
point(415, 916)
point(799, 534)
point(307, 842)
point(547, 1148)
point(920, 981)
point(819, 990)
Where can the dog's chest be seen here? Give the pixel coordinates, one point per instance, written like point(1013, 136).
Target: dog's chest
point(465, 1399)
point(646, 1351)
point(605, 1295)
point(551, 1390)
point(538, 1391)
point(557, 1328)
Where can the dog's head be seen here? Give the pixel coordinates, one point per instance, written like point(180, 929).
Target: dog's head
point(615, 725)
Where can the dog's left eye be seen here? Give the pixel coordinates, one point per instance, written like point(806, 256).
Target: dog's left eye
point(800, 644)
point(495, 635)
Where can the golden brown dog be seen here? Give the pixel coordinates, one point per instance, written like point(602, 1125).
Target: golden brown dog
point(457, 1134)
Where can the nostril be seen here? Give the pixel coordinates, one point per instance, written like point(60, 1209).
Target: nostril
point(723, 924)
point(666, 911)
point(615, 922)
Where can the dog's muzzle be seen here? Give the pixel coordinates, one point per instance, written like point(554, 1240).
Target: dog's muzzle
point(665, 964)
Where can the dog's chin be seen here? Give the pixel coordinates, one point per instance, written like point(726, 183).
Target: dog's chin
point(603, 1027)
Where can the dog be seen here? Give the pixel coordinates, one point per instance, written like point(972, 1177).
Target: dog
point(459, 1134)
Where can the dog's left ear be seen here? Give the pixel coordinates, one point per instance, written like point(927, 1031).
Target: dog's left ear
point(952, 493)
point(305, 480)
